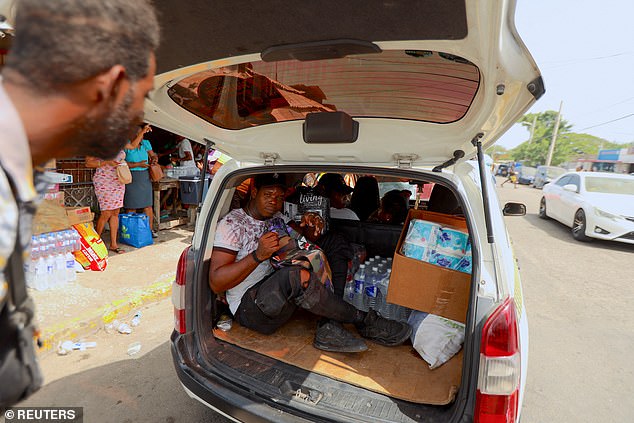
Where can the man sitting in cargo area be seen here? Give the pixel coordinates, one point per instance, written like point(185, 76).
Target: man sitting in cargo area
point(262, 299)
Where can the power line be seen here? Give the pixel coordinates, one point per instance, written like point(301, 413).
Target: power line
point(572, 61)
point(606, 107)
point(605, 123)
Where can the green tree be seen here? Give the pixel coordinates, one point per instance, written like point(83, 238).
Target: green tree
point(534, 151)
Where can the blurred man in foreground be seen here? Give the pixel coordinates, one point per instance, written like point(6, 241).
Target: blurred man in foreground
point(73, 84)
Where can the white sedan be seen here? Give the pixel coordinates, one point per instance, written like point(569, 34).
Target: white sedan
point(593, 204)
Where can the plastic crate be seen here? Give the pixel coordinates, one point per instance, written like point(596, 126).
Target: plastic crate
point(190, 187)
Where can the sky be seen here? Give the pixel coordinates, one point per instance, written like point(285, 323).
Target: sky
point(585, 52)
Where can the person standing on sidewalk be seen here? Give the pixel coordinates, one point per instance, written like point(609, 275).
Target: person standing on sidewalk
point(138, 193)
point(73, 84)
point(109, 191)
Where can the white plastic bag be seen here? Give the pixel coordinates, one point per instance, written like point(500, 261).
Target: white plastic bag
point(435, 338)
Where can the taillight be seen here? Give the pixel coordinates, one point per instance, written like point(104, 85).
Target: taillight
point(178, 292)
point(500, 366)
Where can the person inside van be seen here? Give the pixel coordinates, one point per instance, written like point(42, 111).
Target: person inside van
point(393, 208)
point(333, 186)
point(263, 300)
point(365, 197)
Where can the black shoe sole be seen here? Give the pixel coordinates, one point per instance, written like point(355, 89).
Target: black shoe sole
point(332, 348)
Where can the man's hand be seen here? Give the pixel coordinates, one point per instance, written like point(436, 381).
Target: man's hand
point(314, 223)
point(268, 244)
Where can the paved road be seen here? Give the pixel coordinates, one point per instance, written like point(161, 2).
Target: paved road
point(580, 303)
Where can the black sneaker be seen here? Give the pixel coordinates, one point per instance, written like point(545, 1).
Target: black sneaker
point(332, 336)
point(383, 331)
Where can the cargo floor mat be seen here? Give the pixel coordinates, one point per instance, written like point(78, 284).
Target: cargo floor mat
point(398, 372)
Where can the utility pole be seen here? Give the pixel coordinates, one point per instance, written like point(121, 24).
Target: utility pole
point(533, 129)
point(551, 150)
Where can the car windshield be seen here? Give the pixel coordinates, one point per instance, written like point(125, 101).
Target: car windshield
point(610, 185)
point(405, 84)
point(527, 171)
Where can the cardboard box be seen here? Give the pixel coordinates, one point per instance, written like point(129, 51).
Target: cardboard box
point(78, 215)
point(426, 287)
point(58, 197)
point(50, 217)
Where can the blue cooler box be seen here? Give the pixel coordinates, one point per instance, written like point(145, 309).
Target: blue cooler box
point(189, 188)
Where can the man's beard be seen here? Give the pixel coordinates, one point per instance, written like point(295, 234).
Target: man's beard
point(103, 137)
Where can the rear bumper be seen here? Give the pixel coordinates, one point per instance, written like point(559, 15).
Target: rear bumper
point(235, 405)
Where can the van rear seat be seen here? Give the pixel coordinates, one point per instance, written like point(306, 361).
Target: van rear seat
point(377, 238)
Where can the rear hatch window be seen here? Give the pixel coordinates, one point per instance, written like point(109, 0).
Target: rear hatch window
point(404, 84)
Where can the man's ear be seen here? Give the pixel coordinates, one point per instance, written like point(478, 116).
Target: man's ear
point(254, 192)
point(109, 84)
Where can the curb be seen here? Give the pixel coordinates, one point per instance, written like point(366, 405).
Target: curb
point(90, 322)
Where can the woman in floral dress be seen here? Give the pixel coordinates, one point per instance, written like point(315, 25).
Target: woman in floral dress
point(110, 194)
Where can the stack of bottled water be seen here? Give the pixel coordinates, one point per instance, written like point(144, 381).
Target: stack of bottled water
point(368, 289)
point(52, 262)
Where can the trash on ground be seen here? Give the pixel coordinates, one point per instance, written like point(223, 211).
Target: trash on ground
point(66, 347)
point(117, 326)
point(134, 348)
point(124, 328)
point(225, 322)
point(136, 320)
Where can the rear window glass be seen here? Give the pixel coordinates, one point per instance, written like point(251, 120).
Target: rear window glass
point(413, 84)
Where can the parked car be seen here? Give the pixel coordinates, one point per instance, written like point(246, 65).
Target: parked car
point(545, 174)
point(503, 170)
point(422, 96)
point(526, 175)
point(594, 204)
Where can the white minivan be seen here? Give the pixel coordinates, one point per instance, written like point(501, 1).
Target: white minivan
point(405, 91)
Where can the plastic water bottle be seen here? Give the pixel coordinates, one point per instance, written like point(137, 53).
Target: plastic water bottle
point(29, 265)
point(60, 260)
point(382, 307)
point(49, 256)
point(348, 290)
point(68, 255)
point(40, 281)
point(359, 285)
point(74, 238)
point(371, 289)
point(136, 320)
